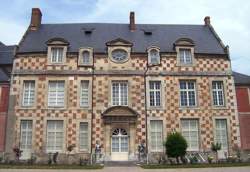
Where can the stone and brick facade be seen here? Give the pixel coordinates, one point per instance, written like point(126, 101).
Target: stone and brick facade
point(210, 63)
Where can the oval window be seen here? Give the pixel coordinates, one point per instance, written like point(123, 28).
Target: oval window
point(119, 55)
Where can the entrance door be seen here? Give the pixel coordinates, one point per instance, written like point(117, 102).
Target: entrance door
point(26, 138)
point(119, 142)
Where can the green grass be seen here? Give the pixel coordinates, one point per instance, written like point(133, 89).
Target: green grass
point(35, 166)
point(155, 166)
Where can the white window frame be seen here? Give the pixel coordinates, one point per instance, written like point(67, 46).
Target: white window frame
point(189, 130)
point(80, 134)
point(188, 92)
point(55, 131)
point(27, 131)
point(84, 92)
point(56, 93)
point(120, 102)
point(185, 56)
point(216, 91)
point(150, 57)
point(58, 59)
point(218, 140)
point(157, 139)
point(30, 93)
point(154, 91)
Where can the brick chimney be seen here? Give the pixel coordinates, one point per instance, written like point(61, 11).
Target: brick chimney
point(207, 21)
point(36, 18)
point(132, 21)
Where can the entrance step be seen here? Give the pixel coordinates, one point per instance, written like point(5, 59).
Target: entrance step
point(120, 163)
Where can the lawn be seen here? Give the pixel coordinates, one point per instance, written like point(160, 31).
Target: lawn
point(35, 166)
point(156, 166)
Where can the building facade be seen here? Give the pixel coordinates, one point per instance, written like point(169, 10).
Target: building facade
point(6, 59)
point(242, 84)
point(116, 86)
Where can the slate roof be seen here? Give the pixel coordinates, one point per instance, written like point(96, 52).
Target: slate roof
point(6, 54)
point(241, 79)
point(162, 36)
point(3, 76)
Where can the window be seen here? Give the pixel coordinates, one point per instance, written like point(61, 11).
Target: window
point(83, 136)
point(218, 93)
point(56, 93)
point(185, 56)
point(54, 136)
point(119, 55)
point(190, 131)
point(84, 94)
point(26, 135)
point(156, 135)
point(221, 133)
point(155, 93)
point(85, 57)
point(28, 93)
point(56, 55)
point(120, 93)
point(187, 93)
point(154, 56)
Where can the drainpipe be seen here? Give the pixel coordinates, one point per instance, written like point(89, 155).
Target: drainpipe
point(146, 111)
point(92, 111)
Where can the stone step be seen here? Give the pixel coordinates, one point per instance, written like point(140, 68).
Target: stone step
point(120, 163)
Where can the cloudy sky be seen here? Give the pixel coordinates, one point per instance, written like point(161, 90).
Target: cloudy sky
point(229, 18)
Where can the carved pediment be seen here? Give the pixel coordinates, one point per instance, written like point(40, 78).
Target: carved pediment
point(184, 42)
point(119, 42)
point(119, 111)
point(57, 41)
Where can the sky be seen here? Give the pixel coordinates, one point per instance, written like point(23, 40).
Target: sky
point(230, 18)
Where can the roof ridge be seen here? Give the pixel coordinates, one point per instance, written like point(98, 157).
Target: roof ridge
point(153, 24)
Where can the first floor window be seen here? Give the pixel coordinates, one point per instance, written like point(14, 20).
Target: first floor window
point(26, 135)
point(28, 93)
point(54, 135)
point(156, 135)
point(190, 131)
point(218, 93)
point(56, 55)
point(187, 93)
point(56, 93)
point(84, 95)
point(83, 136)
point(155, 93)
point(185, 56)
point(221, 133)
point(120, 93)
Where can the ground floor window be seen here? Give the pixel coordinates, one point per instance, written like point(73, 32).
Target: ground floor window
point(26, 135)
point(190, 131)
point(156, 136)
point(221, 133)
point(54, 135)
point(83, 136)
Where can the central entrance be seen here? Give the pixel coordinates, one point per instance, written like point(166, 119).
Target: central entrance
point(119, 145)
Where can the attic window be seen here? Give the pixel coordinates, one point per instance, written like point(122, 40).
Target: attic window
point(148, 32)
point(88, 31)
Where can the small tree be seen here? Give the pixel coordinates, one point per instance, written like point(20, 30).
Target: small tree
point(215, 148)
point(176, 146)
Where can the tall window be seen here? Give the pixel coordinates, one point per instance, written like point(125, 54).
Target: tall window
point(84, 95)
point(28, 93)
point(26, 135)
point(83, 136)
point(120, 93)
point(85, 57)
point(218, 93)
point(155, 93)
point(54, 136)
point(221, 133)
point(56, 55)
point(56, 93)
point(156, 135)
point(190, 131)
point(187, 93)
point(185, 56)
point(154, 56)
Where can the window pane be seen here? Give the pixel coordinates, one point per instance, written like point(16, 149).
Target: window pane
point(28, 93)
point(83, 137)
point(155, 93)
point(187, 93)
point(54, 135)
point(84, 95)
point(156, 135)
point(185, 56)
point(56, 93)
point(154, 56)
point(56, 55)
point(26, 135)
point(221, 133)
point(120, 93)
point(218, 93)
point(85, 57)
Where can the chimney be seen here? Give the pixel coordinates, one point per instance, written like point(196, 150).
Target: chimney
point(36, 18)
point(207, 21)
point(132, 21)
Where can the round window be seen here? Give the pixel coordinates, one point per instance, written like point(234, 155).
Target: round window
point(119, 55)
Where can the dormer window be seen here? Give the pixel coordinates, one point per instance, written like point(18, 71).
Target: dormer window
point(185, 56)
point(119, 55)
point(154, 56)
point(85, 57)
point(57, 49)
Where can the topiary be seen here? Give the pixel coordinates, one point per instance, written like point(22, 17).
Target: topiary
point(176, 146)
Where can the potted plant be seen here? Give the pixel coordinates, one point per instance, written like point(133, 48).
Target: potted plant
point(215, 148)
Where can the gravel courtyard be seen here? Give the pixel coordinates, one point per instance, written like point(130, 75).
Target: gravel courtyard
point(138, 169)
